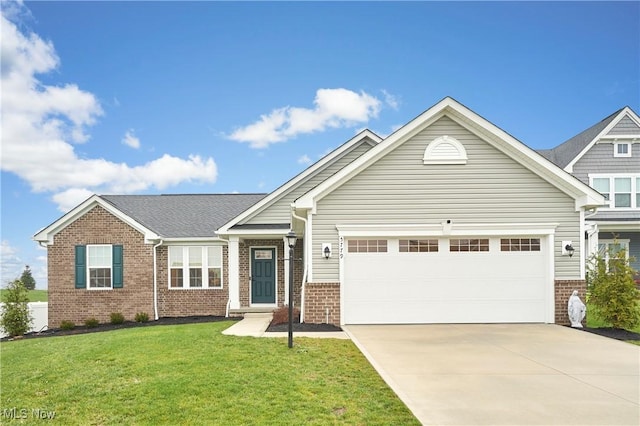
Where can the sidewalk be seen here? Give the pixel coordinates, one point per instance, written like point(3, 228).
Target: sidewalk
point(255, 325)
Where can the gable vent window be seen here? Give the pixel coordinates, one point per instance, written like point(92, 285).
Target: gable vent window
point(445, 150)
point(622, 149)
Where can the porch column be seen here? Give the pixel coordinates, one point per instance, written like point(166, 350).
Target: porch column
point(234, 272)
point(285, 255)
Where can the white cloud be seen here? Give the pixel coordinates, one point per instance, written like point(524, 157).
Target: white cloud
point(41, 124)
point(10, 263)
point(131, 140)
point(304, 159)
point(333, 108)
point(391, 100)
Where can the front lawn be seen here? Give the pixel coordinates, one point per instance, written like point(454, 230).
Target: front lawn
point(593, 321)
point(192, 374)
point(34, 295)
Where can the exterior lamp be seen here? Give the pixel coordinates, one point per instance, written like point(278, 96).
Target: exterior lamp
point(326, 252)
point(291, 241)
point(569, 249)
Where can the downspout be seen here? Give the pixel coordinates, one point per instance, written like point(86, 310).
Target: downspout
point(304, 271)
point(155, 281)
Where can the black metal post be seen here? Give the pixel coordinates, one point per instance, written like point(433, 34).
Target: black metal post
point(291, 296)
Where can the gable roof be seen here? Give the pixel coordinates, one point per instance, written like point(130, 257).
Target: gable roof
point(188, 216)
point(583, 194)
point(569, 152)
point(364, 136)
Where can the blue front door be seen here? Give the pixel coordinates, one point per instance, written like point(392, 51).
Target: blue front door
point(263, 275)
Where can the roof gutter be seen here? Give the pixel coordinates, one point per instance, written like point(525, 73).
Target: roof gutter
point(155, 280)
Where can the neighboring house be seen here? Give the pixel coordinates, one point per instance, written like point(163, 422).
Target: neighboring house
point(449, 219)
point(606, 156)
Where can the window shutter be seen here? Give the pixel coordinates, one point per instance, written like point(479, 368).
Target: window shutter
point(81, 267)
point(117, 267)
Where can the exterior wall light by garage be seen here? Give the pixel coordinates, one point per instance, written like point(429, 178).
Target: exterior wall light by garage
point(326, 250)
point(567, 248)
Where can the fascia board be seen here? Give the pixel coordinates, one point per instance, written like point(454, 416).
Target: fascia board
point(308, 200)
point(626, 111)
point(524, 155)
point(440, 229)
point(224, 229)
point(196, 240)
point(46, 235)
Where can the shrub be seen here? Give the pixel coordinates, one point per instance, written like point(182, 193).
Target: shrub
point(15, 318)
point(67, 325)
point(117, 318)
point(91, 322)
point(142, 317)
point(281, 315)
point(613, 293)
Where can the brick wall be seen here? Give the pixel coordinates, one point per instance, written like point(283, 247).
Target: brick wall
point(318, 297)
point(68, 303)
point(245, 265)
point(191, 302)
point(563, 290)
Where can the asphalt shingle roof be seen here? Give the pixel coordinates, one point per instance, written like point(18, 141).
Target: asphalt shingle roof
point(564, 153)
point(183, 215)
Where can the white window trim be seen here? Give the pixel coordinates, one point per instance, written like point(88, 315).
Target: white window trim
point(629, 149)
point(622, 242)
point(204, 267)
point(611, 176)
point(88, 267)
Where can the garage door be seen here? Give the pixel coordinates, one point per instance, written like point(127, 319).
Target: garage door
point(445, 280)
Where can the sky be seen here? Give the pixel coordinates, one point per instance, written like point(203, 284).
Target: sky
point(221, 97)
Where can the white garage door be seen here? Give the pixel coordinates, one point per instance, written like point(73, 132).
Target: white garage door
point(445, 280)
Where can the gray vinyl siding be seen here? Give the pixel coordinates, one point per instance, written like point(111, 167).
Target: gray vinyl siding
point(600, 159)
point(279, 210)
point(400, 189)
point(625, 126)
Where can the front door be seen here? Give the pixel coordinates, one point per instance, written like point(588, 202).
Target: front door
point(263, 275)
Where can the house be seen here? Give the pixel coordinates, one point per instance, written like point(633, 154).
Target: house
point(606, 156)
point(449, 219)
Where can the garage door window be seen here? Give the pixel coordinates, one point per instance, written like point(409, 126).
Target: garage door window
point(467, 245)
point(520, 244)
point(367, 246)
point(418, 246)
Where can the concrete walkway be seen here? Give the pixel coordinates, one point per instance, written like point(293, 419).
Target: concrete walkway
point(506, 374)
point(255, 325)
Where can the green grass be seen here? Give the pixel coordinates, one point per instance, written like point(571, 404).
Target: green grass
point(593, 321)
point(34, 295)
point(192, 374)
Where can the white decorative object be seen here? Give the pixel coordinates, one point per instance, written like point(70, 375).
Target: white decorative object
point(577, 310)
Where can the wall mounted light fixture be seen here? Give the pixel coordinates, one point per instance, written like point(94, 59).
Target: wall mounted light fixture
point(326, 250)
point(567, 248)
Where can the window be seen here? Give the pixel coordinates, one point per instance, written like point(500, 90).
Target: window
point(456, 245)
point(367, 246)
point(520, 244)
point(606, 248)
point(619, 190)
point(445, 150)
point(195, 267)
point(622, 149)
point(99, 266)
point(418, 246)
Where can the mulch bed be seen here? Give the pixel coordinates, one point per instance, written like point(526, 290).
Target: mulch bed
point(298, 327)
point(613, 333)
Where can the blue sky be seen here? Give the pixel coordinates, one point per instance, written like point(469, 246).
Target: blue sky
point(209, 97)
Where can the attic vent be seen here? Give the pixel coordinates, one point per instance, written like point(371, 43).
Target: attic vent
point(445, 150)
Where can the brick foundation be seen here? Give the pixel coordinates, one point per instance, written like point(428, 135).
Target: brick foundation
point(318, 297)
point(563, 290)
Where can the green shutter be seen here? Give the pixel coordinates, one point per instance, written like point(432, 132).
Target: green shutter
point(117, 266)
point(81, 267)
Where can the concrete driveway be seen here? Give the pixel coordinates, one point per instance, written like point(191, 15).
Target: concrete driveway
point(505, 374)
